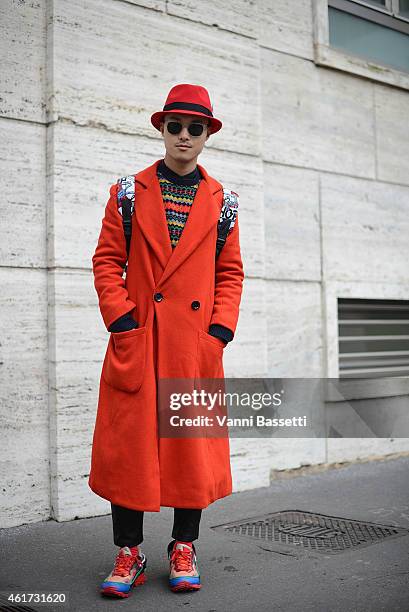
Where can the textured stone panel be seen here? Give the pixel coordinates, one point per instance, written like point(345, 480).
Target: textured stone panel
point(23, 52)
point(87, 161)
point(247, 354)
point(157, 5)
point(243, 174)
point(292, 223)
point(392, 134)
point(291, 453)
point(294, 329)
point(250, 463)
point(286, 26)
point(254, 461)
point(238, 16)
point(78, 342)
point(74, 413)
point(22, 183)
point(311, 116)
point(120, 84)
point(24, 453)
point(351, 449)
point(365, 228)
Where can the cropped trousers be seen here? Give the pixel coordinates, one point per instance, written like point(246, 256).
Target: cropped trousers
point(128, 525)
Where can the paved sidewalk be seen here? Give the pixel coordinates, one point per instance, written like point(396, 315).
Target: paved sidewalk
point(238, 574)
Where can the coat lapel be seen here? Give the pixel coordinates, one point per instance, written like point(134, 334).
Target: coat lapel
point(150, 214)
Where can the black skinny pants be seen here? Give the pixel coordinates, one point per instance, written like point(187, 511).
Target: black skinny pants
point(128, 525)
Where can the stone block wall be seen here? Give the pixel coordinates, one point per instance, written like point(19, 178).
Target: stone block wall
point(317, 155)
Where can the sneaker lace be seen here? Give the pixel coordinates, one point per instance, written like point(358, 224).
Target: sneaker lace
point(123, 563)
point(182, 560)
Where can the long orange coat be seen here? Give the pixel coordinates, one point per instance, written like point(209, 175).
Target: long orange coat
point(131, 465)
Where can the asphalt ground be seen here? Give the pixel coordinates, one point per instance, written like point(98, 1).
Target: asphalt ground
point(238, 573)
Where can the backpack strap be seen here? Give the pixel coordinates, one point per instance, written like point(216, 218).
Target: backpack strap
point(126, 207)
point(228, 215)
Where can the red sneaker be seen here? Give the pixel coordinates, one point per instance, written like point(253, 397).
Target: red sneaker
point(128, 571)
point(183, 568)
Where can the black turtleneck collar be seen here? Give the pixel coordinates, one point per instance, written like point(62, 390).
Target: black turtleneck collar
point(186, 179)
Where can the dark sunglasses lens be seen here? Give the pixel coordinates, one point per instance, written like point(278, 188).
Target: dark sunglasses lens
point(195, 129)
point(174, 127)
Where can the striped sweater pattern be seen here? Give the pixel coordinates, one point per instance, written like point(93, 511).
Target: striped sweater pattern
point(177, 200)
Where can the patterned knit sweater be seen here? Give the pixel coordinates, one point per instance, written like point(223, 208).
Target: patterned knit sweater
point(178, 193)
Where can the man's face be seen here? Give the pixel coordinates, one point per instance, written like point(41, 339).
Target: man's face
point(193, 145)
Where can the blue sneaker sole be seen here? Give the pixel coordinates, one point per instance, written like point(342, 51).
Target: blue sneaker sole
point(185, 583)
point(111, 588)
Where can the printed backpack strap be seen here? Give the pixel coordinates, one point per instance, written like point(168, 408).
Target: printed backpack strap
point(228, 215)
point(126, 207)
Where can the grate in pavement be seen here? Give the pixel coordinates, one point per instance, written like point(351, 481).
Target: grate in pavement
point(317, 532)
point(9, 606)
point(16, 608)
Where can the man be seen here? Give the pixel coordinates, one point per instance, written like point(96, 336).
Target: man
point(170, 318)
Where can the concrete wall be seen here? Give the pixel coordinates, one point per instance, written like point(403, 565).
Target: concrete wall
point(24, 416)
point(317, 156)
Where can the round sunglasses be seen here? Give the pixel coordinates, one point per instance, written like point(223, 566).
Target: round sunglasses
point(194, 129)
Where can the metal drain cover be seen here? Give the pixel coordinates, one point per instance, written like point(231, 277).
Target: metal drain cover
point(317, 532)
point(7, 606)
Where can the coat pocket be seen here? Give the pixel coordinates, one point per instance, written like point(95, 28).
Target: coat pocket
point(124, 364)
point(212, 338)
point(209, 362)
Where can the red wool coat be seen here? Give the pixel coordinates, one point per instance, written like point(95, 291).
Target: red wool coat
point(130, 464)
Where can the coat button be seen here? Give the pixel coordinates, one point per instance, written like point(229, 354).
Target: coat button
point(195, 305)
point(158, 297)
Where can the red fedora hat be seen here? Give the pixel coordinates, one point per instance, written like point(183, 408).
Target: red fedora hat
point(188, 100)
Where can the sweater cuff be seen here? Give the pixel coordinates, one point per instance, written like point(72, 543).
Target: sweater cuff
point(124, 323)
point(222, 332)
